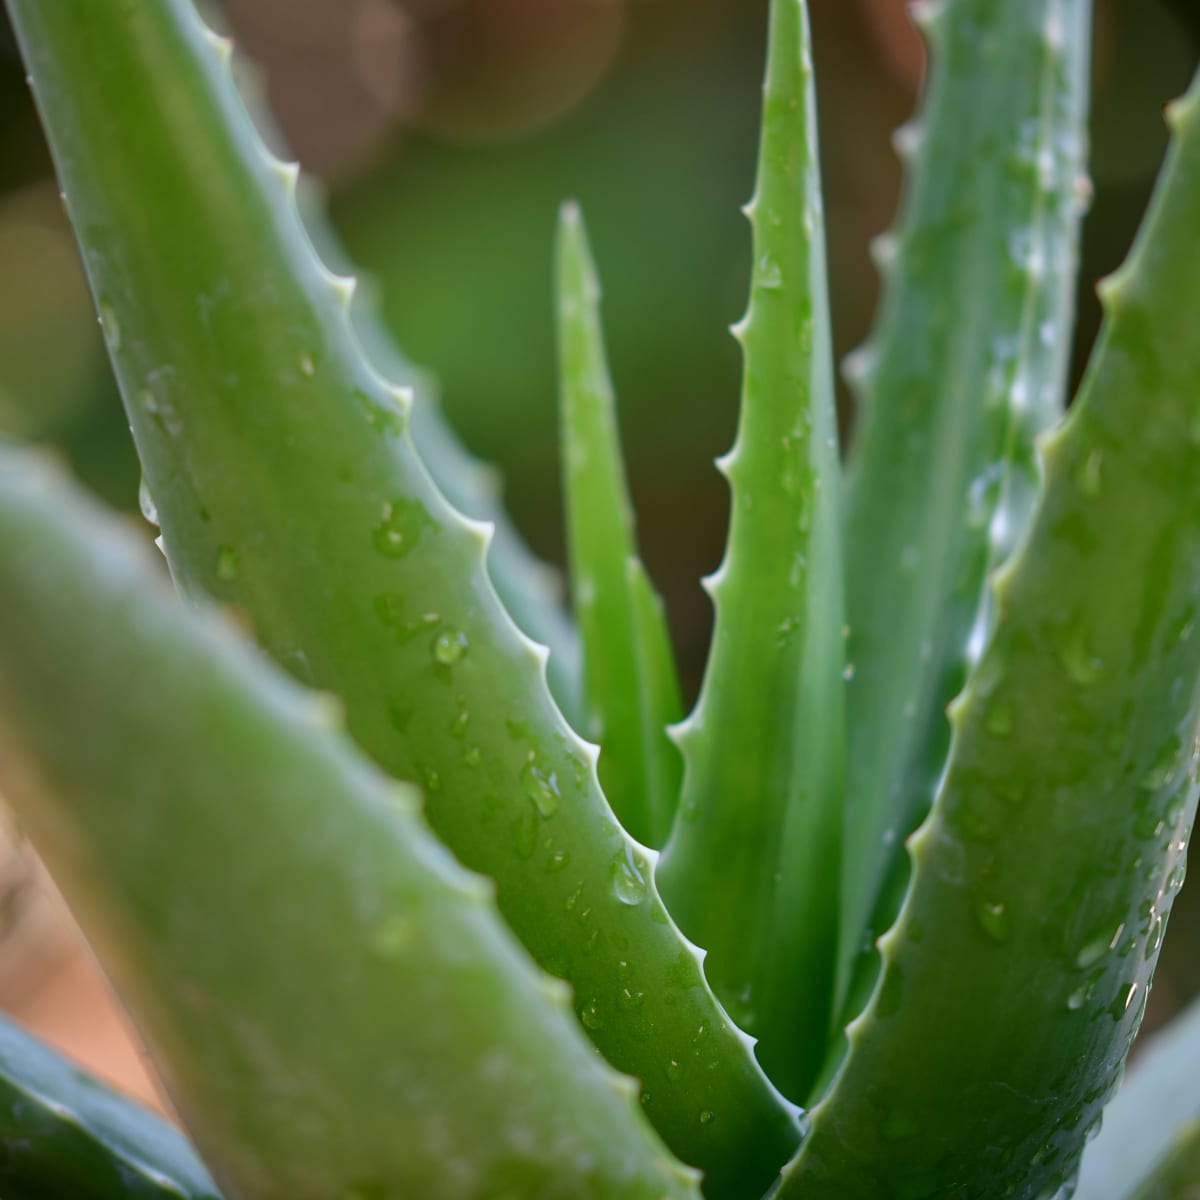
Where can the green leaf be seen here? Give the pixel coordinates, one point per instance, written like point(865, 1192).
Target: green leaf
point(286, 482)
point(64, 1133)
point(1151, 1124)
point(1016, 975)
point(751, 870)
point(631, 688)
point(967, 364)
point(335, 1005)
point(1178, 1174)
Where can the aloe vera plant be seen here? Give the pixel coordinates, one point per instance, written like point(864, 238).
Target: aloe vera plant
point(391, 926)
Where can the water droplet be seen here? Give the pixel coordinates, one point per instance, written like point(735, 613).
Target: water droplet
point(111, 326)
point(472, 756)
point(673, 1070)
point(591, 1016)
point(542, 788)
point(993, 919)
point(629, 886)
point(387, 418)
point(161, 412)
point(629, 999)
point(1095, 948)
point(848, 672)
point(400, 526)
point(450, 647)
point(227, 564)
point(146, 502)
point(706, 1116)
point(769, 274)
point(308, 366)
point(558, 860)
point(1083, 667)
point(458, 727)
point(430, 777)
point(1081, 995)
point(1165, 767)
point(1126, 994)
point(1088, 474)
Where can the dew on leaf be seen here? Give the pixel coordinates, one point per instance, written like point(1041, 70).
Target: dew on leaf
point(993, 919)
point(591, 1016)
point(400, 527)
point(1082, 666)
point(450, 647)
point(227, 564)
point(111, 326)
point(629, 885)
point(769, 274)
point(542, 788)
point(146, 502)
point(1095, 948)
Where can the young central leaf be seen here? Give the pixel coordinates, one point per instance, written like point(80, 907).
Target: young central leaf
point(751, 869)
point(631, 693)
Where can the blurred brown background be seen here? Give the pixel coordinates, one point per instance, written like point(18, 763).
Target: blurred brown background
point(447, 132)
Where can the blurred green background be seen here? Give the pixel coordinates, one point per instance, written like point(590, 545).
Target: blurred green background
point(447, 132)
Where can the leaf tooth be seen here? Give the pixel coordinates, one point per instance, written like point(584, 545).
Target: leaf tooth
point(222, 46)
point(859, 367)
point(928, 16)
point(1182, 113)
point(907, 139)
point(884, 249)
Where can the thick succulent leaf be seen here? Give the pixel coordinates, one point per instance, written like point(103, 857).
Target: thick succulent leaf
point(1178, 1175)
point(751, 869)
point(966, 365)
point(64, 1133)
point(334, 1004)
point(631, 690)
point(530, 590)
point(1016, 975)
point(285, 481)
point(1150, 1127)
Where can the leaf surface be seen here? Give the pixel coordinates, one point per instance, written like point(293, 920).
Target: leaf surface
point(630, 684)
point(966, 365)
point(64, 1133)
point(334, 1003)
point(1016, 976)
point(751, 869)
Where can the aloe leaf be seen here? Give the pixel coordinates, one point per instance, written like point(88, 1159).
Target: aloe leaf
point(751, 869)
point(64, 1133)
point(1179, 1173)
point(529, 589)
point(1016, 976)
point(286, 482)
point(630, 685)
point(1151, 1124)
point(966, 365)
point(334, 1004)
